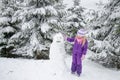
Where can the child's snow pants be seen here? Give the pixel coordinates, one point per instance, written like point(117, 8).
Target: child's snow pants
point(76, 63)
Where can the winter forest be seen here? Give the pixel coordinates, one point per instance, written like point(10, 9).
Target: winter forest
point(32, 45)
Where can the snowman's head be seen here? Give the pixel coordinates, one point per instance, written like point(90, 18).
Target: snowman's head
point(58, 38)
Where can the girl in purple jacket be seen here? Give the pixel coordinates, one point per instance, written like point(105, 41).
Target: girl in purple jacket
point(79, 50)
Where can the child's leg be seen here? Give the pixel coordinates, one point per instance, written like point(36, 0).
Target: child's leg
point(79, 65)
point(74, 63)
point(79, 69)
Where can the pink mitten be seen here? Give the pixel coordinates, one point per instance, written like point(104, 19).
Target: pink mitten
point(83, 57)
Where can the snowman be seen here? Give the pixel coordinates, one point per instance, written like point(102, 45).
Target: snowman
point(57, 50)
point(57, 54)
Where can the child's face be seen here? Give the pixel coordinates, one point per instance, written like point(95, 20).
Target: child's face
point(80, 35)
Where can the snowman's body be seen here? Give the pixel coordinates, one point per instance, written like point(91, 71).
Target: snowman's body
point(57, 50)
point(57, 53)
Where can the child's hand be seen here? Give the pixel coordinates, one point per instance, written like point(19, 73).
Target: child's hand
point(83, 57)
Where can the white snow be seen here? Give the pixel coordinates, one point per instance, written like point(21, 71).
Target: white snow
point(115, 14)
point(57, 68)
point(91, 4)
point(45, 27)
point(68, 3)
point(4, 20)
point(39, 11)
point(51, 10)
point(72, 16)
point(33, 39)
point(25, 26)
point(1, 5)
point(8, 29)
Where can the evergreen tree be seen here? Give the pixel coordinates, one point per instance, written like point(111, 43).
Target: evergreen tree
point(75, 18)
point(106, 26)
point(72, 22)
point(6, 28)
point(33, 31)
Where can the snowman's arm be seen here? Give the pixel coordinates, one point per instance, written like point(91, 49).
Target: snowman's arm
point(70, 39)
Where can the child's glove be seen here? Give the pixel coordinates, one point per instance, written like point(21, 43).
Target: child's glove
point(83, 57)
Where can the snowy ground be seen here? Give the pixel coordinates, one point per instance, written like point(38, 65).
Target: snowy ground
point(22, 69)
point(54, 69)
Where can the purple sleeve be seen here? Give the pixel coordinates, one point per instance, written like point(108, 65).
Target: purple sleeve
point(70, 39)
point(85, 48)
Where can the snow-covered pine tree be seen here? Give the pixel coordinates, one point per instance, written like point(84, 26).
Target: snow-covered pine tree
point(6, 28)
point(32, 19)
point(68, 21)
point(73, 21)
point(106, 35)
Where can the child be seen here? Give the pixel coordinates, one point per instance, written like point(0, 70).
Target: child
point(79, 50)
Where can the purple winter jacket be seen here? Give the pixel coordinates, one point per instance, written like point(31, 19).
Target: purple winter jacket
point(77, 47)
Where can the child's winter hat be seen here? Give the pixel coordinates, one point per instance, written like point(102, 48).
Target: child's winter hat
point(82, 32)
